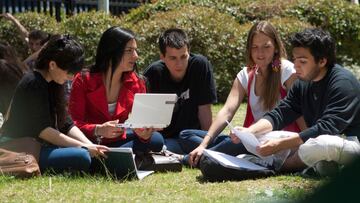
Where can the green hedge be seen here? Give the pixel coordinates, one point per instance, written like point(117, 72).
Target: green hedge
point(217, 28)
point(88, 27)
point(31, 21)
point(339, 17)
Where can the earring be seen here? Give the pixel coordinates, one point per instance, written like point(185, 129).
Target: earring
point(276, 64)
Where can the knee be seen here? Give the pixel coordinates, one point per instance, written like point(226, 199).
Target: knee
point(323, 147)
point(157, 142)
point(186, 134)
point(81, 160)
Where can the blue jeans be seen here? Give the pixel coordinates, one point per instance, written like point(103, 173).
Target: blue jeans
point(155, 144)
point(173, 145)
point(64, 159)
point(190, 139)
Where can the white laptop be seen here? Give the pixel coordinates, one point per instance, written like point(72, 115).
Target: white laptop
point(120, 163)
point(151, 110)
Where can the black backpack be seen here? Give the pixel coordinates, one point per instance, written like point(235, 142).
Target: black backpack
point(212, 170)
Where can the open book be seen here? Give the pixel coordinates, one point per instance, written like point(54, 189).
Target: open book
point(250, 142)
point(121, 164)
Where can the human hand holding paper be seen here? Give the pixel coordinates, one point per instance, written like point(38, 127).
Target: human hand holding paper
point(248, 139)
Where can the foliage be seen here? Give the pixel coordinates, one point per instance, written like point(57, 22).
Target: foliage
point(31, 21)
point(217, 28)
point(88, 27)
point(340, 18)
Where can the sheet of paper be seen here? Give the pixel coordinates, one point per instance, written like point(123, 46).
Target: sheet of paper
point(248, 139)
point(142, 174)
point(232, 162)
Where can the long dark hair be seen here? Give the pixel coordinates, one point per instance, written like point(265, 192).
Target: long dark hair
point(9, 54)
point(10, 75)
point(68, 55)
point(110, 49)
point(270, 93)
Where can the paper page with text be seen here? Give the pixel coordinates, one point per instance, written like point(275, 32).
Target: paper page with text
point(249, 140)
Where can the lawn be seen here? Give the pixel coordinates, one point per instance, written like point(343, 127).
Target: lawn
point(186, 186)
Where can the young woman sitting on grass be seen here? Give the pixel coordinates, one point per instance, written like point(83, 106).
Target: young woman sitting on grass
point(38, 109)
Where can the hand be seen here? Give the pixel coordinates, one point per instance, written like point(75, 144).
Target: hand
point(195, 155)
point(145, 133)
point(7, 16)
point(268, 147)
point(109, 129)
point(233, 136)
point(97, 150)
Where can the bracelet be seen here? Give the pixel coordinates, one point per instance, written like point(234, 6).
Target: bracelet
point(97, 136)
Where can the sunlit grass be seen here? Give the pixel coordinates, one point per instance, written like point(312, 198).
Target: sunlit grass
point(186, 186)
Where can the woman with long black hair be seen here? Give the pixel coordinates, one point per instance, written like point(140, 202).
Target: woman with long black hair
point(38, 109)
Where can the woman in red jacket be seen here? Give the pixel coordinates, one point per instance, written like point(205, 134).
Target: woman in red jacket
point(103, 96)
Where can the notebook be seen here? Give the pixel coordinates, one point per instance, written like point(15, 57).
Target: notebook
point(151, 110)
point(121, 164)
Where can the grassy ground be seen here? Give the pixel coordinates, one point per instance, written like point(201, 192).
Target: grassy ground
point(187, 186)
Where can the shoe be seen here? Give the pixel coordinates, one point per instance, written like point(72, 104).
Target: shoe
point(178, 157)
point(327, 168)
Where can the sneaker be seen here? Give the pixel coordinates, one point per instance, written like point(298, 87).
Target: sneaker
point(178, 157)
point(322, 169)
point(327, 168)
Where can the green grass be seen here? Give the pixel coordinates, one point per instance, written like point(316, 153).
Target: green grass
point(186, 186)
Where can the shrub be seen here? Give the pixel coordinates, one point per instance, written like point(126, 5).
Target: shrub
point(31, 21)
point(88, 28)
point(243, 11)
point(340, 18)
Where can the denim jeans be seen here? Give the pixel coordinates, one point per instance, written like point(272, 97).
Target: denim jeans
point(173, 145)
point(155, 144)
point(64, 159)
point(190, 139)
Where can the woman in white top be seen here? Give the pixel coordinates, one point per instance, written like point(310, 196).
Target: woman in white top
point(265, 80)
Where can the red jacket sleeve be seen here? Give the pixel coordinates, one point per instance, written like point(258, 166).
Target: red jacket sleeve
point(77, 105)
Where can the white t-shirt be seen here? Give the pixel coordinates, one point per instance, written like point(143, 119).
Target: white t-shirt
point(287, 69)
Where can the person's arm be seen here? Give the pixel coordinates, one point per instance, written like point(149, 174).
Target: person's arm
point(340, 111)
point(76, 134)
point(288, 84)
point(227, 112)
point(77, 107)
point(57, 138)
point(205, 116)
point(23, 31)
point(205, 88)
point(273, 146)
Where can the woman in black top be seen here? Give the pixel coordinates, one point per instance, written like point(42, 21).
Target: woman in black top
point(38, 109)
